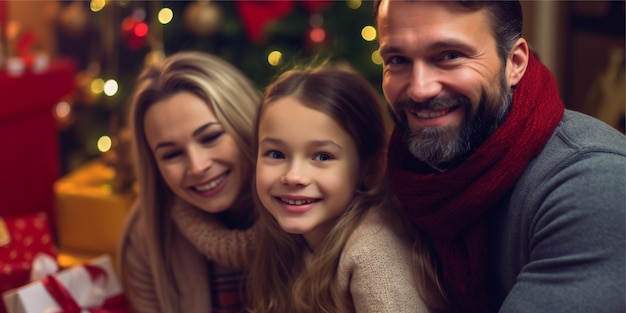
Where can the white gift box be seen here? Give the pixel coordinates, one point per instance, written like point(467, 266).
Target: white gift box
point(86, 291)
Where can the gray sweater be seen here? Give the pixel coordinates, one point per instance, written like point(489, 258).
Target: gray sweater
point(558, 240)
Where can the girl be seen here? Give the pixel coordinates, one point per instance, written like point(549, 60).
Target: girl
point(191, 119)
point(331, 237)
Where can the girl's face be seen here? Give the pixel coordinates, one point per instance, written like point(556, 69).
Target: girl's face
point(307, 168)
point(198, 160)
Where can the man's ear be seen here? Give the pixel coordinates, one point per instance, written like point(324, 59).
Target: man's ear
point(517, 62)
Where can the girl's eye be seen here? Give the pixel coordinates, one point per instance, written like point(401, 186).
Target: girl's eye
point(322, 157)
point(211, 137)
point(273, 154)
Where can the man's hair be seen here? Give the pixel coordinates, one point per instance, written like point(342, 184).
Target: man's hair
point(506, 20)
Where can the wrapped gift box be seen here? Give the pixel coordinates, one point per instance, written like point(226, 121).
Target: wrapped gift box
point(90, 286)
point(90, 215)
point(21, 238)
point(31, 165)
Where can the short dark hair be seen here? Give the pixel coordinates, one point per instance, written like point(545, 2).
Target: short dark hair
point(506, 17)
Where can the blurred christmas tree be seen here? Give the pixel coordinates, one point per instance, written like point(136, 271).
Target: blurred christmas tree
point(112, 40)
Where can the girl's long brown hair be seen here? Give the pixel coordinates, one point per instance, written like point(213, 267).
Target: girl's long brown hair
point(279, 279)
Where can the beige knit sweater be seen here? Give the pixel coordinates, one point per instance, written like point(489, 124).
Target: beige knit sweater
point(375, 267)
point(374, 271)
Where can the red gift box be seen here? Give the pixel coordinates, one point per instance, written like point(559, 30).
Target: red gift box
point(31, 166)
point(21, 238)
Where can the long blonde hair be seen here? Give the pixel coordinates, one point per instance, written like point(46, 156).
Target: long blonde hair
point(233, 99)
point(279, 279)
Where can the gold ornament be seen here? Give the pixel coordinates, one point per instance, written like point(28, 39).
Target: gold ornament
point(203, 18)
point(73, 19)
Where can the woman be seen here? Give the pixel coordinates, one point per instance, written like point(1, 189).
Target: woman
point(191, 118)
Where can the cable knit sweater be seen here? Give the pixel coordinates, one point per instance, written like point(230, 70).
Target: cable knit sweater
point(191, 277)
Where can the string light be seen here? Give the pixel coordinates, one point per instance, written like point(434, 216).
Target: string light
point(353, 4)
point(62, 109)
point(274, 58)
point(317, 35)
point(110, 87)
point(368, 33)
point(376, 59)
point(165, 15)
point(104, 144)
point(97, 86)
point(97, 5)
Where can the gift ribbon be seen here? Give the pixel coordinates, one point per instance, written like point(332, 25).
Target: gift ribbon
point(60, 295)
point(114, 304)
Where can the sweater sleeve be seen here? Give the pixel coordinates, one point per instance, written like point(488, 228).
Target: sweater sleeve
point(229, 247)
point(135, 268)
point(565, 233)
point(378, 263)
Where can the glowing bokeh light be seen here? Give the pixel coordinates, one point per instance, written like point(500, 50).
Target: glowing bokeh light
point(317, 35)
point(97, 5)
point(274, 58)
point(353, 4)
point(368, 33)
point(97, 85)
point(127, 24)
point(139, 15)
point(165, 15)
point(110, 87)
point(62, 109)
point(104, 144)
point(316, 20)
point(376, 58)
point(141, 29)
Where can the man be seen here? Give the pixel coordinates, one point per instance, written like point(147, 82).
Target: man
point(522, 201)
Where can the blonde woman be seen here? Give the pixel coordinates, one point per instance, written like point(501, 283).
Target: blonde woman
point(185, 245)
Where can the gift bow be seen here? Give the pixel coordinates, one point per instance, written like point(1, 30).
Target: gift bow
point(114, 304)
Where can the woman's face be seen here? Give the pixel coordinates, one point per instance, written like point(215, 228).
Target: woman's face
point(198, 160)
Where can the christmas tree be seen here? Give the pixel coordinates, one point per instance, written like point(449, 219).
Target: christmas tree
point(112, 40)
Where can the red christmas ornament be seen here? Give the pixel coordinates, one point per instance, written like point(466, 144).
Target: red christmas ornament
point(257, 14)
point(134, 33)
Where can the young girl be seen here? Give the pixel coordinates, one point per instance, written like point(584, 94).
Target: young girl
point(181, 251)
point(331, 239)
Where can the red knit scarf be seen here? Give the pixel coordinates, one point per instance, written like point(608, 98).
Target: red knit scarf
point(451, 207)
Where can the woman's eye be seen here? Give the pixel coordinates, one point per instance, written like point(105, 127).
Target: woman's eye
point(322, 157)
point(211, 137)
point(170, 155)
point(273, 154)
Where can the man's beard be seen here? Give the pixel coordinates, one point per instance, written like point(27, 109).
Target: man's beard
point(447, 146)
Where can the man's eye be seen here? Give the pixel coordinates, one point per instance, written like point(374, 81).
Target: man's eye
point(273, 154)
point(396, 60)
point(450, 56)
point(322, 157)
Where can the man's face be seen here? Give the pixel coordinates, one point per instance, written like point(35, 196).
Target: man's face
point(442, 77)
